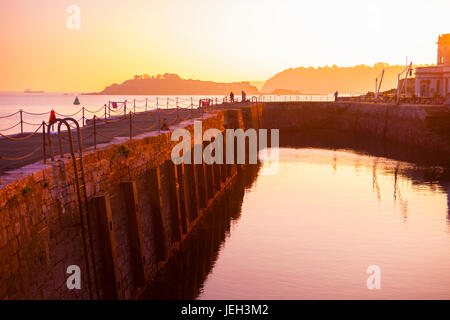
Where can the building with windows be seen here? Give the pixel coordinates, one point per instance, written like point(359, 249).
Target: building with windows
point(434, 80)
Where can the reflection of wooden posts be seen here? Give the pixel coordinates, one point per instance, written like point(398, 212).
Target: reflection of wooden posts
point(193, 264)
point(129, 192)
point(156, 205)
point(107, 245)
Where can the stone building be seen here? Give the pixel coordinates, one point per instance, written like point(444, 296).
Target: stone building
point(435, 79)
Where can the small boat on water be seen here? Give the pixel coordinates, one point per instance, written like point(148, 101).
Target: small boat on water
point(76, 102)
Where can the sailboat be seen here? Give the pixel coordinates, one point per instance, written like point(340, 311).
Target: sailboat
point(76, 102)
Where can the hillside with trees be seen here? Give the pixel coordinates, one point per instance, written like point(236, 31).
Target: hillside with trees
point(357, 79)
point(172, 84)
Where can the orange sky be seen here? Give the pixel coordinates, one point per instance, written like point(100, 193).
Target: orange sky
point(206, 39)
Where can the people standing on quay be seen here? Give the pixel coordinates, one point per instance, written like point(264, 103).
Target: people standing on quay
point(244, 96)
point(231, 97)
point(336, 96)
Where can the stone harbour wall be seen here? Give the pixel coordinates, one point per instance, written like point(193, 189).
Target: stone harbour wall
point(141, 207)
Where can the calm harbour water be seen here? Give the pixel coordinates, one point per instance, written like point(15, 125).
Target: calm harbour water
point(311, 230)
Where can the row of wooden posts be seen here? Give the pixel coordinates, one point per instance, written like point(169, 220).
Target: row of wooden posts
point(192, 188)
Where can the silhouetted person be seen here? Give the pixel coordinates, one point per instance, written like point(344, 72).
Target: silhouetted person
point(52, 119)
point(244, 96)
point(164, 126)
point(336, 96)
point(231, 96)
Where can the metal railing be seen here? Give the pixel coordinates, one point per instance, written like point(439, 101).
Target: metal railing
point(112, 113)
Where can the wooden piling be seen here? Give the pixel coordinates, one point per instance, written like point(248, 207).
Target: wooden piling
point(181, 197)
point(190, 192)
point(107, 244)
point(156, 205)
point(129, 192)
point(173, 199)
point(200, 182)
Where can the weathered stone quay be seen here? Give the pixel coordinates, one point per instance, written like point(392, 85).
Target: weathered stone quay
point(142, 207)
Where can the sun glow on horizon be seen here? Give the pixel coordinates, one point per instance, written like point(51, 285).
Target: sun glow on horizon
point(208, 40)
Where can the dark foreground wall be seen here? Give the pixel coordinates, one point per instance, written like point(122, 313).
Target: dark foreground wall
point(141, 207)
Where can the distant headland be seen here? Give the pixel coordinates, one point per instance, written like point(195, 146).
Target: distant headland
point(172, 84)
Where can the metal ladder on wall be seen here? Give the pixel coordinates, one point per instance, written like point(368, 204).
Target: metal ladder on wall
point(80, 184)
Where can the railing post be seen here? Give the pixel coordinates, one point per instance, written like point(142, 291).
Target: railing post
point(43, 141)
point(21, 121)
point(125, 108)
point(105, 111)
point(131, 126)
point(192, 108)
point(82, 108)
point(159, 116)
point(95, 131)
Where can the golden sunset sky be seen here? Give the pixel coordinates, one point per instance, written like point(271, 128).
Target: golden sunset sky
point(226, 40)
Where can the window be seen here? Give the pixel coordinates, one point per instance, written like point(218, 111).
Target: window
point(442, 60)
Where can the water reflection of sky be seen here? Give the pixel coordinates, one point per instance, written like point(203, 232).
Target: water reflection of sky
point(310, 231)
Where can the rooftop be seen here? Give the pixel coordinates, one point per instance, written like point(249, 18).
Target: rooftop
point(444, 39)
